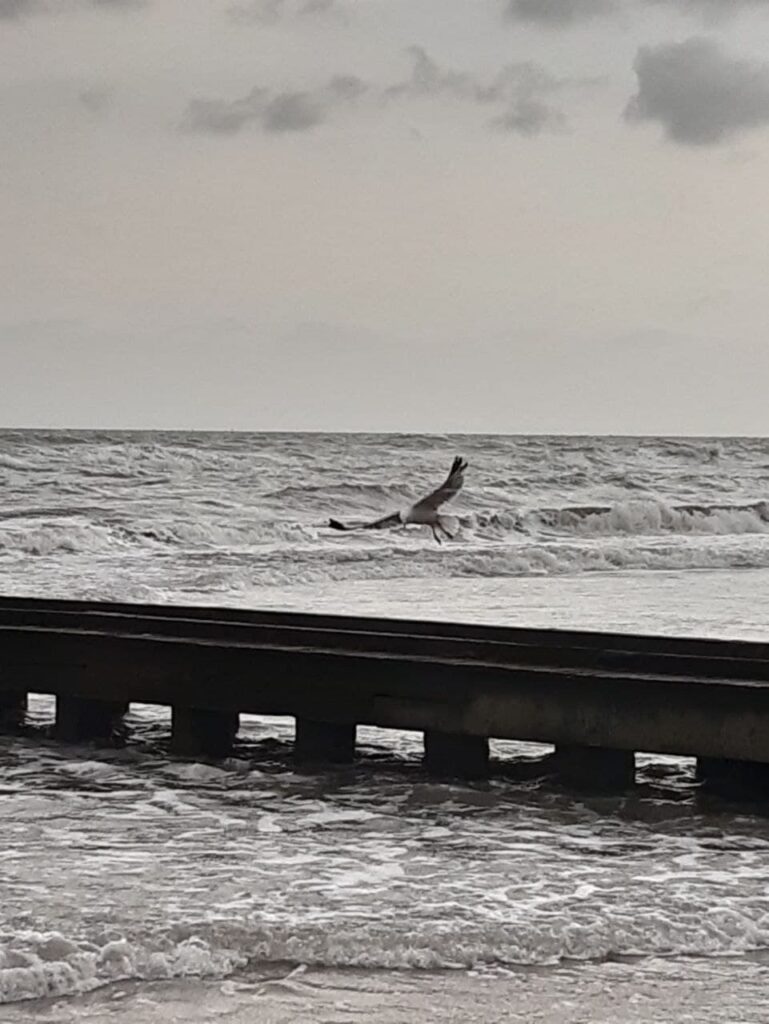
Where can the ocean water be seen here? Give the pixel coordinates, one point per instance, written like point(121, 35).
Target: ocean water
point(138, 887)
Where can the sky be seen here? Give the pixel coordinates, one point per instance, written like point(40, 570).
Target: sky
point(517, 216)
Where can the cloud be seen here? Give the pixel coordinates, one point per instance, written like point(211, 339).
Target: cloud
point(566, 13)
point(271, 12)
point(97, 98)
point(517, 97)
point(518, 89)
point(16, 8)
point(292, 112)
point(289, 111)
point(223, 117)
point(557, 13)
point(710, 8)
point(699, 95)
point(530, 117)
point(19, 8)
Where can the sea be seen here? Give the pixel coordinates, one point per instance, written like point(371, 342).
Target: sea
point(139, 887)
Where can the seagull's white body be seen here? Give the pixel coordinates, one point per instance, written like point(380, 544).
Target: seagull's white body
point(425, 511)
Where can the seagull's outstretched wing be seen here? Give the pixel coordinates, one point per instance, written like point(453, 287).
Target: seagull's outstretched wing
point(379, 524)
point(449, 489)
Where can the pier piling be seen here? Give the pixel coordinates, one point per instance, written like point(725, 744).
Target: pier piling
point(79, 719)
point(454, 755)
point(594, 768)
point(199, 732)
point(726, 775)
point(333, 742)
point(13, 708)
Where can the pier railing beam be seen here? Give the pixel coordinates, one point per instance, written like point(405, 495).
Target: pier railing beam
point(199, 732)
point(13, 708)
point(324, 741)
point(594, 768)
point(450, 754)
point(79, 719)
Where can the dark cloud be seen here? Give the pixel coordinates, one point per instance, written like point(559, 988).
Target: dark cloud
point(288, 111)
point(517, 98)
point(530, 117)
point(346, 87)
point(225, 117)
point(558, 12)
point(699, 95)
point(292, 112)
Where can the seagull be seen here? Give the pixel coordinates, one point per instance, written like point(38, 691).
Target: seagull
point(425, 511)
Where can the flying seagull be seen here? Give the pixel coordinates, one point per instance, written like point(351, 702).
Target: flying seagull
point(425, 511)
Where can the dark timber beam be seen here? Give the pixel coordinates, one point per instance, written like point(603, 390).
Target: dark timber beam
point(594, 768)
point(199, 732)
point(453, 755)
point(79, 718)
point(324, 741)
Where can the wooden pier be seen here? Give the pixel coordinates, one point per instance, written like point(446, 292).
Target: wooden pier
point(598, 697)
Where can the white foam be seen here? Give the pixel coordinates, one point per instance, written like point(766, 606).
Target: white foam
point(51, 965)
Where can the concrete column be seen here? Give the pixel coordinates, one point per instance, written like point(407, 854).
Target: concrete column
point(596, 768)
point(450, 754)
point(200, 732)
point(79, 718)
point(324, 741)
point(732, 777)
point(13, 707)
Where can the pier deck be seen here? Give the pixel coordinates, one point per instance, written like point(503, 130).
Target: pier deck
point(598, 697)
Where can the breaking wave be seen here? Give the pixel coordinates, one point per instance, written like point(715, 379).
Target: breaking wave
point(631, 535)
point(637, 517)
point(34, 965)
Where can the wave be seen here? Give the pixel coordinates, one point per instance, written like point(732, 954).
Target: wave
point(634, 517)
point(359, 497)
point(52, 538)
point(570, 540)
point(49, 964)
point(36, 965)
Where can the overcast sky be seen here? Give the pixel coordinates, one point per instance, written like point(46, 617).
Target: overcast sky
point(486, 215)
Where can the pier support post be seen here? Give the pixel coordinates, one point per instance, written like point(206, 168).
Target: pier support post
point(13, 707)
point(596, 768)
point(731, 777)
point(198, 731)
point(324, 741)
point(79, 718)
point(451, 754)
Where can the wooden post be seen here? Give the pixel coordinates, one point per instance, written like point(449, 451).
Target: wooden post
point(728, 776)
point(324, 741)
point(596, 768)
point(198, 731)
point(450, 754)
point(13, 708)
point(79, 719)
